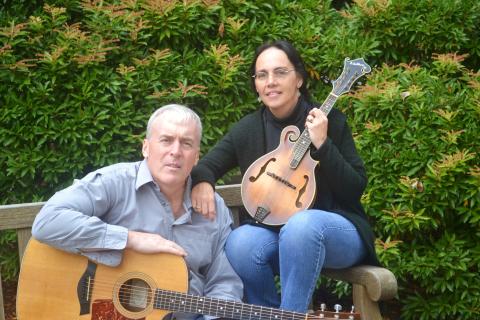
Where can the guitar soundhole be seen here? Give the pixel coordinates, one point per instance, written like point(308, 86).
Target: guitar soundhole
point(135, 295)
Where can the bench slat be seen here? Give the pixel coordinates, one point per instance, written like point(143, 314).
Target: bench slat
point(15, 216)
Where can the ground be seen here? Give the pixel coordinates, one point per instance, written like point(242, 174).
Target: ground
point(9, 295)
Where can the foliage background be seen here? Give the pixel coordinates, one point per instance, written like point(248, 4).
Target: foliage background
point(78, 80)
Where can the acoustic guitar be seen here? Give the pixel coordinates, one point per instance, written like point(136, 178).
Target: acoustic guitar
point(56, 285)
point(282, 182)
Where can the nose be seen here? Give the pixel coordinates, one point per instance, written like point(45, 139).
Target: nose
point(271, 79)
point(175, 147)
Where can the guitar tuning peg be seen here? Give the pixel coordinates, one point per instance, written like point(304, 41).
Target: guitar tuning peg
point(352, 317)
point(323, 306)
point(337, 308)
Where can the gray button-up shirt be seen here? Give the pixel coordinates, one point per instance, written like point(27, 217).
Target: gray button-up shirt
point(92, 217)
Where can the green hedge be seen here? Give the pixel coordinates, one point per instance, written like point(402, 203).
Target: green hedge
point(78, 80)
point(417, 130)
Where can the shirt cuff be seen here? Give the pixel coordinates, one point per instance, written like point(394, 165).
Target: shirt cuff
point(115, 237)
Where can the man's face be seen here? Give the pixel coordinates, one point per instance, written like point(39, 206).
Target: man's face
point(171, 150)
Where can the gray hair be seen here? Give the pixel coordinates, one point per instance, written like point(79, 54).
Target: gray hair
point(183, 113)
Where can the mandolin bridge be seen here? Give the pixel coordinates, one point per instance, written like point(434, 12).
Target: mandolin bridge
point(278, 178)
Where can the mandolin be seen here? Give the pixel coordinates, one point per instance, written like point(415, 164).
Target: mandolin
point(56, 285)
point(282, 182)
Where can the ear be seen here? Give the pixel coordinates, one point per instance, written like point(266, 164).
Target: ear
point(197, 157)
point(145, 148)
point(299, 84)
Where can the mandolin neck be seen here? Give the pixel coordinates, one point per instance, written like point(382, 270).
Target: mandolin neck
point(303, 143)
point(183, 302)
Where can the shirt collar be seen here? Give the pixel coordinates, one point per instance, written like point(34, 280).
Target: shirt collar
point(144, 176)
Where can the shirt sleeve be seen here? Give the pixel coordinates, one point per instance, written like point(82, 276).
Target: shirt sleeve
point(221, 280)
point(72, 221)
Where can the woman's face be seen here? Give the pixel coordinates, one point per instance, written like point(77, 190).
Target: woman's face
point(277, 82)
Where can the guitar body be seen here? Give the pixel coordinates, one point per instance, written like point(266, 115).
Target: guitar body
point(272, 191)
point(55, 285)
point(49, 278)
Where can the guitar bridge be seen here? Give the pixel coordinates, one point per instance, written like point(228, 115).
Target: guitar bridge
point(85, 287)
point(261, 214)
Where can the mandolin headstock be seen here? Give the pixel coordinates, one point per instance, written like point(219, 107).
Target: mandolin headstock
point(352, 71)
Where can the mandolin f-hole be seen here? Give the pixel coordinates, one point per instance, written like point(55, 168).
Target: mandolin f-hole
point(262, 170)
point(298, 204)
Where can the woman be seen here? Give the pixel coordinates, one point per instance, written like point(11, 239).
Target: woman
point(335, 232)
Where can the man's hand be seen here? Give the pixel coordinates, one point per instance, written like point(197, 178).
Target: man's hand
point(152, 243)
point(203, 200)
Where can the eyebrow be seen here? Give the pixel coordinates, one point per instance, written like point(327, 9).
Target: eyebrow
point(182, 139)
point(276, 68)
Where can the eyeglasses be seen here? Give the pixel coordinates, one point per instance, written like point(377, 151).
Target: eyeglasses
point(278, 73)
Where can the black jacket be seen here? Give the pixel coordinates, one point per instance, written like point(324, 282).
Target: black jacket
point(340, 176)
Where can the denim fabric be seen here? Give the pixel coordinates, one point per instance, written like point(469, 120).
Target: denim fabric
point(309, 241)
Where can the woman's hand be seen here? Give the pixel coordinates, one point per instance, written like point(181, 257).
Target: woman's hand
point(203, 200)
point(317, 125)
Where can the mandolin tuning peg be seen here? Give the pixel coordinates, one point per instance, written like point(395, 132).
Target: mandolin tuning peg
point(325, 79)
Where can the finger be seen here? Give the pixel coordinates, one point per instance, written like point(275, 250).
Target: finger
point(172, 247)
point(202, 208)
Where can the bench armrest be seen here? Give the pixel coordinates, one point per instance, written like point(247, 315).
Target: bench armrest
point(380, 283)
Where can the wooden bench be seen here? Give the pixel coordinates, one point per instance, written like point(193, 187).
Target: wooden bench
point(370, 284)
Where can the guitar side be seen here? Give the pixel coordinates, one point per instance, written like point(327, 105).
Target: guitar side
point(47, 287)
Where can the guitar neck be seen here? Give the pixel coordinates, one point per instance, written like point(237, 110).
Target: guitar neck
point(183, 302)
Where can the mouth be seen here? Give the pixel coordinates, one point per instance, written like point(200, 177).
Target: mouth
point(173, 165)
point(273, 93)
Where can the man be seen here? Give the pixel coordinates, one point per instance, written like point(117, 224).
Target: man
point(145, 206)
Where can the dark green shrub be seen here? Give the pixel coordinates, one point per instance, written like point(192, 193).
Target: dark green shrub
point(78, 80)
point(417, 129)
point(415, 30)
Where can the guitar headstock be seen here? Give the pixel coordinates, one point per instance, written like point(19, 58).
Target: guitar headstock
point(334, 315)
point(352, 71)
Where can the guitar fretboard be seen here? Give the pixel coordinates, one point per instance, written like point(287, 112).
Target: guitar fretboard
point(183, 302)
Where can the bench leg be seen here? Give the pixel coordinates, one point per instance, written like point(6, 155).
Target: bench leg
point(367, 308)
point(2, 313)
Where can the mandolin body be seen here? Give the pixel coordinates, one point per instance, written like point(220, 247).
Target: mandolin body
point(273, 189)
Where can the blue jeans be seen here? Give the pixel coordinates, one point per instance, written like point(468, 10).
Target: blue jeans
point(308, 242)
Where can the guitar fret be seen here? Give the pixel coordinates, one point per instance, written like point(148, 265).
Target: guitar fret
point(183, 302)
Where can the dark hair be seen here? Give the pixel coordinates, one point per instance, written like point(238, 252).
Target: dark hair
point(292, 55)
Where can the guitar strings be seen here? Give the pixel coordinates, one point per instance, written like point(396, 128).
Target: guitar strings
point(185, 302)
